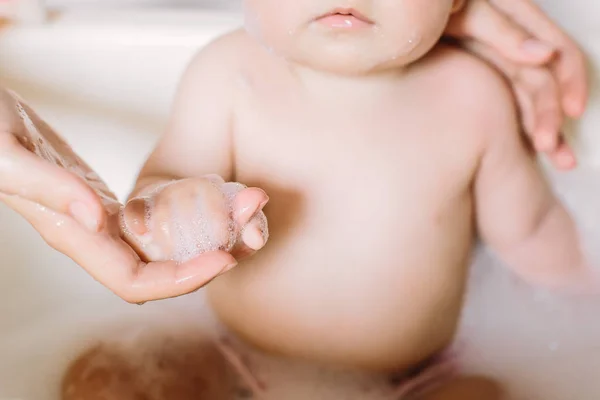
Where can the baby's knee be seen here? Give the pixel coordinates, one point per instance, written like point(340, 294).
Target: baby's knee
point(166, 369)
point(467, 388)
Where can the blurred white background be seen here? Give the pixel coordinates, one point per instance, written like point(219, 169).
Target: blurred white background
point(105, 80)
point(216, 4)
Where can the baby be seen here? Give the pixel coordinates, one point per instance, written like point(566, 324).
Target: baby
point(382, 153)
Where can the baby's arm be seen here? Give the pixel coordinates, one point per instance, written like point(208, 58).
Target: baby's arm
point(518, 215)
point(198, 138)
point(176, 211)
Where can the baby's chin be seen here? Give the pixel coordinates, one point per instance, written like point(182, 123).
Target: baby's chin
point(351, 62)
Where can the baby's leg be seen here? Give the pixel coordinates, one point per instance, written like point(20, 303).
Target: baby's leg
point(438, 379)
point(466, 388)
point(237, 363)
point(431, 373)
point(165, 368)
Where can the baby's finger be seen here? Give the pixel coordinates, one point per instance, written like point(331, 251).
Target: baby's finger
point(247, 204)
point(256, 233)
point(26, 175)
point(251, 222)
point(484, 23)
point(253, 237)
point(179, 221)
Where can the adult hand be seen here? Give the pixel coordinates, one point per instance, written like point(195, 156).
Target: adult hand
point(546, 68)
point(42, 179)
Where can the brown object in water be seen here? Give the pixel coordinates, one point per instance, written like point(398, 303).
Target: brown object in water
point(167, 369)
point(467, 388)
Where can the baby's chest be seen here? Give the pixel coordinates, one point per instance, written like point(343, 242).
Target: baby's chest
point(365, 171)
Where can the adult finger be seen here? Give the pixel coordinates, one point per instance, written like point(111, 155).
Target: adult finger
point(538, 98)
point(563, 157)
point(570, 63)
point(537, 87)
point(537, 95)
point(541, 87)
point(163, 280)
point(110, 261)
point(26, 175)
point(571, 71)
point(483, 22)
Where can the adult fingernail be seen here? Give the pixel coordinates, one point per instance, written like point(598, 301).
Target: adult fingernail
point(574, 107)
point(83, 215)
point(566, 160)
point(537, 48)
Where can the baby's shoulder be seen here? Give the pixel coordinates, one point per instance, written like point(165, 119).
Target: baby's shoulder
point(223, 57)
point(468, 87)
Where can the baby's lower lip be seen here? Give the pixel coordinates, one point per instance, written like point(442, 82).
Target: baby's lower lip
point(343, 21)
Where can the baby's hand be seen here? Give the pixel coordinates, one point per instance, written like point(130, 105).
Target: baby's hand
point(182, 219)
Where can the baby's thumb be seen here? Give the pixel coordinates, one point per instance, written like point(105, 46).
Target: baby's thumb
point(251, 222)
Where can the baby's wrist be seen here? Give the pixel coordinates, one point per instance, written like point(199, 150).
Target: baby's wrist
point(149, 186)
point(585, 281)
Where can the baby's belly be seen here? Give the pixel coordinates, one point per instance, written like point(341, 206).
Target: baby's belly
point(381, 296)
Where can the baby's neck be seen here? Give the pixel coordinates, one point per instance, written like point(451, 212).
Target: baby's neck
point(336, 85)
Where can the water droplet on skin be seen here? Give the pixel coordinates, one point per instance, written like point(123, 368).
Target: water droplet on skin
point(122, 223)
point(413, 41)
point(164, 227)
point(60, 223)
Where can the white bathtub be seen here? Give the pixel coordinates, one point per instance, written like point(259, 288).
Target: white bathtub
point(105, 80)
